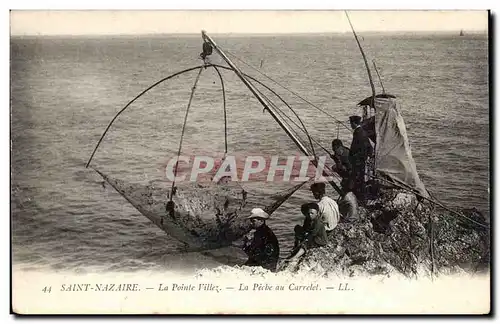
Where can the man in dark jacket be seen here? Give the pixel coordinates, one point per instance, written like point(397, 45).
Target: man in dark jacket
point(263, 248)
point(342, 163)
point(360, 150)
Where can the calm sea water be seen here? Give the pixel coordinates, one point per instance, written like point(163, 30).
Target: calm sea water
point(65, 91)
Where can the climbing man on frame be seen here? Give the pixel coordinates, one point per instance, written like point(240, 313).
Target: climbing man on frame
point(359, 152)
point(342, 164)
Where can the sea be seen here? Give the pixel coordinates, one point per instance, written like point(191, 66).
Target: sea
point(65, 91)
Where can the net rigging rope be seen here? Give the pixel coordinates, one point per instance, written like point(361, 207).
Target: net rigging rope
point(185, 71)
point(273, 105)
point(281, 113)
point(298, 126)
point(302, 128)
point(200, 68)
point(183, 130)
point(132, 101)
point(432, 199)
point(224, 106)
point(289, 90)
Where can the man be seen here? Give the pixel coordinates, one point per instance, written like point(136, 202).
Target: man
point(263, 248)
point(343, 165)
point(328, 209)
point(311, 235)
point(361, 149)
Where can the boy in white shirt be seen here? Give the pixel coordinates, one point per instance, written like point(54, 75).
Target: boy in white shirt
point(328, 208)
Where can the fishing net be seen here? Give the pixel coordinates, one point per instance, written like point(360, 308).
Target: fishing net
point(202, 215)
point(206, 216)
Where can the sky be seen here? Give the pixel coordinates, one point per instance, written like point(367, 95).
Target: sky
point(129, 22)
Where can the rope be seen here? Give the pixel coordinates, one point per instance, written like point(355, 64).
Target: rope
point(304, 129)
point(177, 74)
point(224, 106)
point(289, 90)
point(298, 126)
point(431, 200)
point(182, 132)
point(334, 173)
point(431, 238)
point(282, 100)
point(225, 119)
point(281, 113)
point(191, 69)
point(131, 101)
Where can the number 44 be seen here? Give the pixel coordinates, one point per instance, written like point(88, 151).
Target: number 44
point(47, 289)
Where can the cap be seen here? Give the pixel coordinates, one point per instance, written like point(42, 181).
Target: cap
point(318, 186)
point(305, 207)
point(258, 213)
point(336, 142)
point(355, 119)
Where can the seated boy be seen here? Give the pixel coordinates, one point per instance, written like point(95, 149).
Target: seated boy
point(312, 234)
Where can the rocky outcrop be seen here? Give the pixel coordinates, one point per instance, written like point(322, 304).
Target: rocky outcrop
point(397, 233)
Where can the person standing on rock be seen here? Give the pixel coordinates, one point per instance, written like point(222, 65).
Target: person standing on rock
point(361, 149)
point(263, 248)
point(328, 209)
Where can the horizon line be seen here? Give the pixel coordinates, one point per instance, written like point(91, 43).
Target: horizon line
point(467, 32)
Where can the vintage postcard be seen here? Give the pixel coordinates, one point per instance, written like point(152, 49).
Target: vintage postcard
point(250, 162)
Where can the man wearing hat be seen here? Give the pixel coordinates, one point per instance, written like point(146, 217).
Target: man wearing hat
point(361, 149)
point(263, 248)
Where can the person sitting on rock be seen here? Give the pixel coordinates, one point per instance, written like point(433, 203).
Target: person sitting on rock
point(263, 248)
point(310, 235)
point(301, 231)
point(328, 208)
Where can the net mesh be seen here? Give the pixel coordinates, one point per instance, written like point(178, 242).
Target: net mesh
point(206, 216)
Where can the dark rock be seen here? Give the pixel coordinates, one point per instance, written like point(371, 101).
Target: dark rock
point(397, 233)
